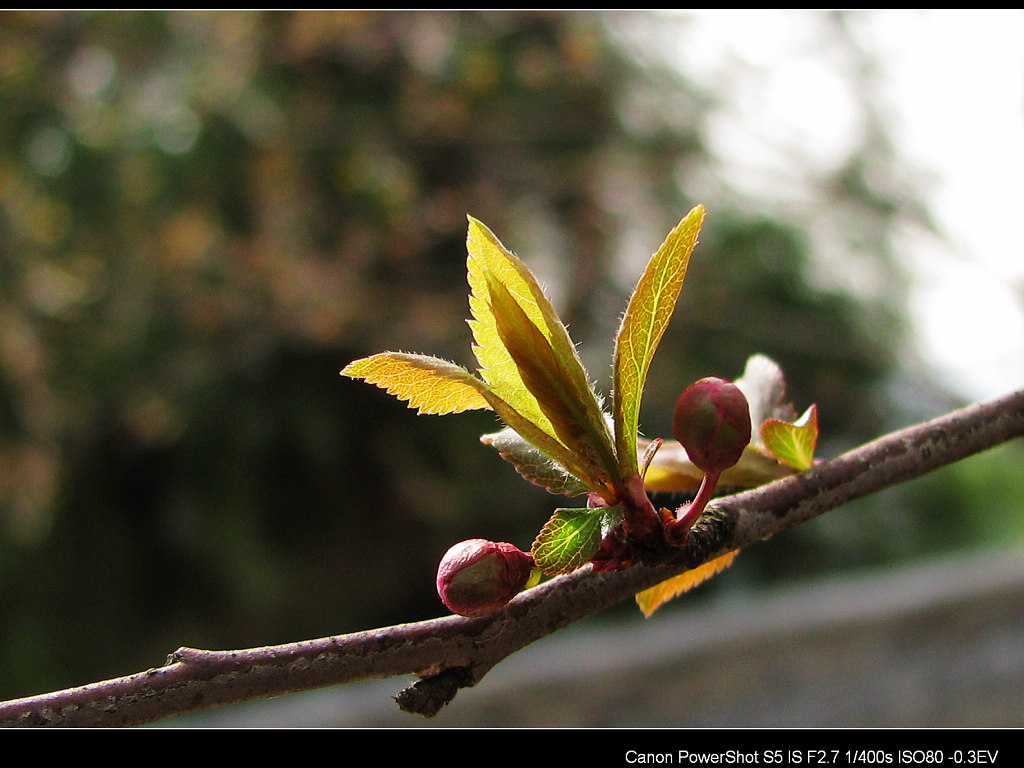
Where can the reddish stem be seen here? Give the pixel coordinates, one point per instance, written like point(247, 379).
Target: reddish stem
point(676, 531)
point(641, 518)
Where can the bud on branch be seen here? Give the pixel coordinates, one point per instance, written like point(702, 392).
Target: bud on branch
point(712, 423)
point(477, 577)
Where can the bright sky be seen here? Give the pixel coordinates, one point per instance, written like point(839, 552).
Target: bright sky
point(963, 85)
point(953, 86)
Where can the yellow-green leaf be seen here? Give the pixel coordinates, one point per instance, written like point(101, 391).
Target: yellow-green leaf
point(793, 443)
point(647, 316)
point(498, 369)
point(540, 439)
point(436, 386)
point(569, 404)
point(429, 384)
point(651, 599)
point(500, 283)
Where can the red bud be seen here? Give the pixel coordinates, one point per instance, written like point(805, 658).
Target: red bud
point(477, 577)
point(712, 421)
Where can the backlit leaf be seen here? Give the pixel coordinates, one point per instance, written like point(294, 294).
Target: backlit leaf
point(571, 537)
point(793, 443)
point(429, 384)
point(530, 432)
point(566, 399)
point(647, 316)
point(436, 386)
point(651, 599)
point(510, 314)
point(488, 256)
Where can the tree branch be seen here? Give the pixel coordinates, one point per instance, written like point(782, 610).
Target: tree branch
point(453, 652)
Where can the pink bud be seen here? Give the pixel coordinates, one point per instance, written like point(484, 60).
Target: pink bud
point(477, 577)
point(712, 421)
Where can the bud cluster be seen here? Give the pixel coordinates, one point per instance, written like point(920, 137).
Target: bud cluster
point(711, 421)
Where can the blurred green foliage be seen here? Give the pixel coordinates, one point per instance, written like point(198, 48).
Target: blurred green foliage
point(205, 215)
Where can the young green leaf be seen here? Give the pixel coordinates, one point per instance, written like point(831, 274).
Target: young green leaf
point(510, 314)
point(533, 465)
point(651, 599)
point(793, 443)
point(528, 360)
point(544, 442)
point(571, 537)
point(429, 384)
point(647, 316)
point(488, 262)
point(502, 289)
point(564, 397)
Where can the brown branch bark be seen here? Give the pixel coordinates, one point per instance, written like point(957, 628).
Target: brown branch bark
point(453, 652)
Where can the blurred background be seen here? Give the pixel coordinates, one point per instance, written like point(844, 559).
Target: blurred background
point(204, 216)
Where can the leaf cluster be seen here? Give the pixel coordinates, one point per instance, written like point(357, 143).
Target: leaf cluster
point(558, 434)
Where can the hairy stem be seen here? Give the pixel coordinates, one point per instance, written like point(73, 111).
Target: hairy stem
point(453, 652)
point(678, 528)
